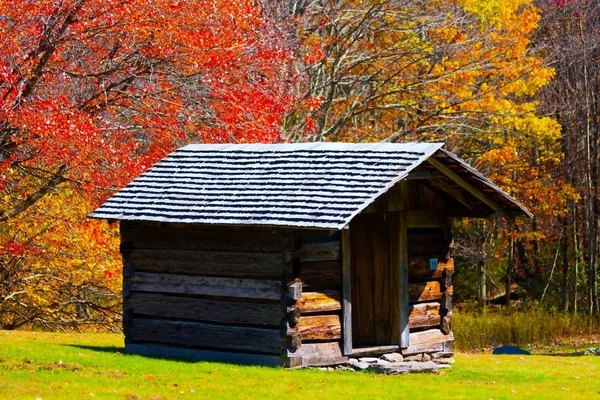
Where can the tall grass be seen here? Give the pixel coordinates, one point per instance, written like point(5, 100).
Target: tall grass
point(534, 326)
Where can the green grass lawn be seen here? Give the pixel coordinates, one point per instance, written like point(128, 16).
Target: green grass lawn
point(92, 366)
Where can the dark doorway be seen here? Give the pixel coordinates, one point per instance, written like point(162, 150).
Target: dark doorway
point(375, 319)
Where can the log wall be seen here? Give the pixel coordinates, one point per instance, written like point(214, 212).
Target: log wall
point(206, 292)
point(318, 267)
point(248, 295)
point(430, 268)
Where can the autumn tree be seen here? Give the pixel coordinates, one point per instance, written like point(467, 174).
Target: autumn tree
point(91, 93)
point(570, 38)
point(461, 71)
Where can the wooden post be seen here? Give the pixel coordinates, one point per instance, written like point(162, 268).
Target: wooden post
point(401, 274)
point(346, 292)
point(403, 284)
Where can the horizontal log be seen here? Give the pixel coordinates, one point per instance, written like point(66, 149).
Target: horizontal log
point(267, 241)
point(424, 291)
point(204, 355)
point(316, 354)
point(200, 334)
point(364, 351)
point(319, 327)
point(207, 285)
point(420, 270)
point(320, 275)
point(318, 302)
point(207, 310)
point(219, 263)
point(429, 341)
point(328, 251)
point(424, 315)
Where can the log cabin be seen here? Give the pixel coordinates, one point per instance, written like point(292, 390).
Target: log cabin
point(295, 254)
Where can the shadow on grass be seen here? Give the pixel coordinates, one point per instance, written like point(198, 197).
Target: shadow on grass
point(103, 349)
point(121, 351)
point(563, 354)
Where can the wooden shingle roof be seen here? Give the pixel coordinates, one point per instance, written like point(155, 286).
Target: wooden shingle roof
point(313, 185)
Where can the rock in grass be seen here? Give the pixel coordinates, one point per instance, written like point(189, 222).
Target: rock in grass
point(358, 365)
point(592, 352)
point(407, 368)
point(510, 350)
point(393, 357)
point(445, 361)
point(369, 360)
point(417, 358)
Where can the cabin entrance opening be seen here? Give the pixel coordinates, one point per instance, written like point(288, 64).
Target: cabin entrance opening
point(375, 286)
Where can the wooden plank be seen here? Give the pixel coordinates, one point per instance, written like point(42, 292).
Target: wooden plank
point(394, 265)
point(404, 288)
point(381, 277)
point(207, 310)
point(363, 288)
point(429, 341)
point(319, 327)
point(317, 276)
point(328, 251)
point(424, 291)
point(468, 187)
point(347, 291)
point(218, 263)
point(200, 334)
point(424, 315)
point(206, 239)
point(318, 302)
point(151, 350)
point(374, 350)
point(419, 269)
point(317, 354)
point(207, 285)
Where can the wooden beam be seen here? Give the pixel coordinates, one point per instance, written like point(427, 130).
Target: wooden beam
point(429, 341)
point(319, 328)
point(205, 285)
point(346, 292)
point(319, 302)
point(452, 192)
point(207, 310)
point(205, 335)
point(425, 315)
point(403, 284)
point(468, 187)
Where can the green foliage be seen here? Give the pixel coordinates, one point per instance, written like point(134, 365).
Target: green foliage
point(520, 327)
point(70, 366)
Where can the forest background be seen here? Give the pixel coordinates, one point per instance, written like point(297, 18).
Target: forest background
point(93, 92)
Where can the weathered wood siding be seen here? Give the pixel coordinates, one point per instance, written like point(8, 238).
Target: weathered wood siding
point(209, 292)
